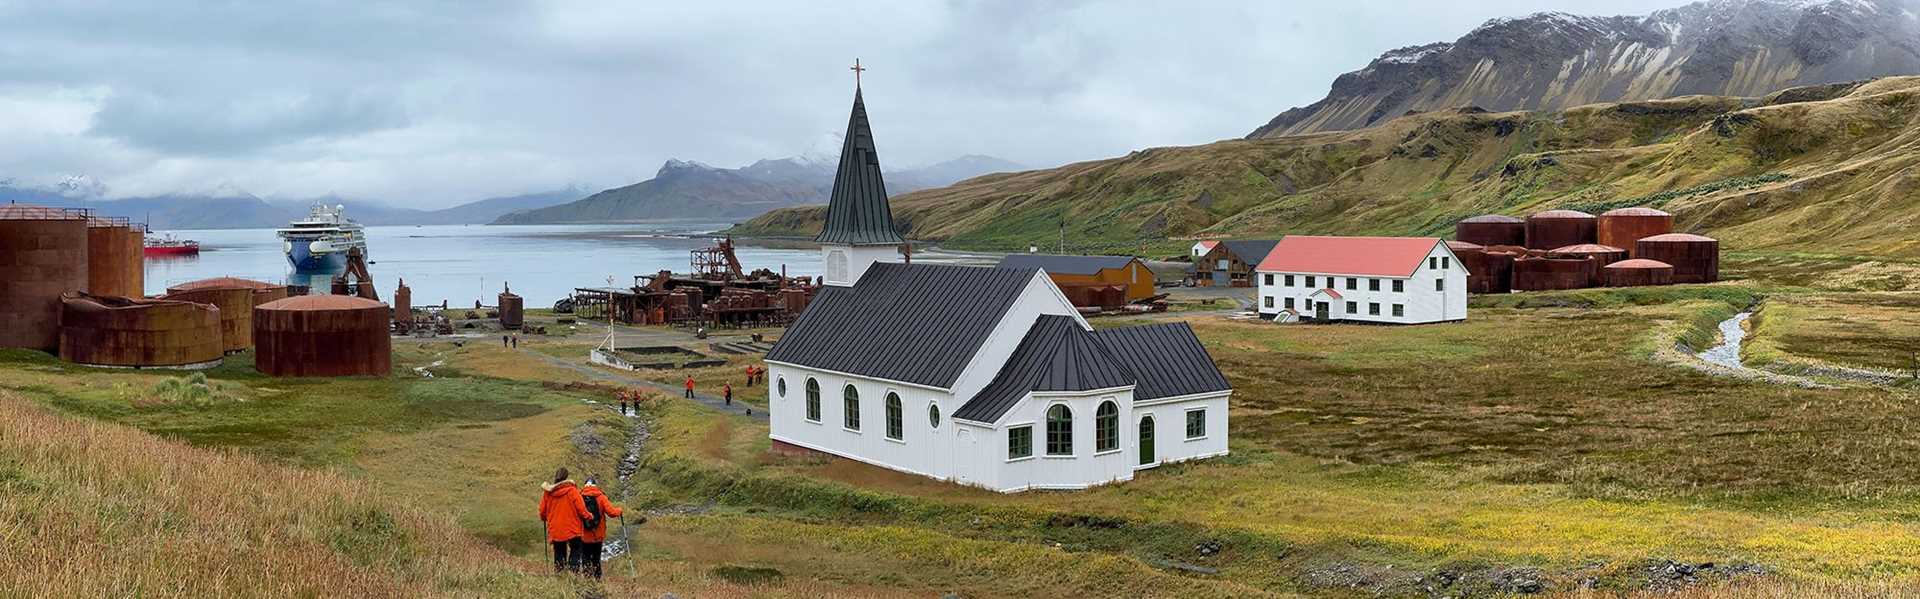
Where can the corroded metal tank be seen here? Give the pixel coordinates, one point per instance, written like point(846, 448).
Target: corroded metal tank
point(1601, 255)
point(1487, 272)
point(114, 266)
point(139, 333)
point(1695, 259)
point(1491, 229)
point(323, 335)
point(1621, 227)
point(43, 254)
point(1559, 228)
point(1637, 272)
point(1543, 274)
point(513, 311)
point(234, 297)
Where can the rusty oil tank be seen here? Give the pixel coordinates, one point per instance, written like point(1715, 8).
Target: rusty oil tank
point(1491, 229)
point(1621, 227)
point(1560, 228)
point(513, 310)
point(1486, 272)
point(1601, 255)
point(43, 254)
point(138, 333)
point(236, 299)
point(323, 335)
point(1695, 258)
point(1637, 272)
point(115, 267)
point(1545, 274)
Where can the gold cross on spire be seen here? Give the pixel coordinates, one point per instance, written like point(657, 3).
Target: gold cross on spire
point(856, 73)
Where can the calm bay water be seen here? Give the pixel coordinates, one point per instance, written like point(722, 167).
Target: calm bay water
point(462, 263)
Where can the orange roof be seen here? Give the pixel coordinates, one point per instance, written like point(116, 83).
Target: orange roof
point(1209, 243)
point(304, 303)
point(1330, 292)
point(1371, 256)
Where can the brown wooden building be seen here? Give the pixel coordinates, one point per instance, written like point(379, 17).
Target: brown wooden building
point(1092, 281)
point(1230, 263)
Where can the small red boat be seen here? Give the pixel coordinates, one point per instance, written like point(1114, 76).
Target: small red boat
point(168, 246)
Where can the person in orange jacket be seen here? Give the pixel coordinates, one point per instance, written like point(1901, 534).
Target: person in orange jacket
point(594, 537)
point(564, 512)
point(689, 387)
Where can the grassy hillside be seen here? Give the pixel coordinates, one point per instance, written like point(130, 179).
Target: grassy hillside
point(1827, 170)
point(90, 509)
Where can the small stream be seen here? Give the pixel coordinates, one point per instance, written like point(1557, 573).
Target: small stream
point(1727, 353)
point(616, 544)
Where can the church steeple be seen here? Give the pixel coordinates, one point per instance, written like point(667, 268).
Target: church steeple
point(857, 213)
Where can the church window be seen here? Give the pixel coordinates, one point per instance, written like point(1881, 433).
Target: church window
point(851, 397)
point(1106, 427)
point(782, 384)
point(1020, 442)
point(896, 426)
point(933, 415)
point(1196, 423)
point(813, 399)
point(1059, 430)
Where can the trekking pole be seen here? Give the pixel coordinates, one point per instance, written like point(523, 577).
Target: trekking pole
point(626, 538)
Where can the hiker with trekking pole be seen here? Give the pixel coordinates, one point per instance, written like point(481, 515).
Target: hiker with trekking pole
point(595, 524)
point(564, 513)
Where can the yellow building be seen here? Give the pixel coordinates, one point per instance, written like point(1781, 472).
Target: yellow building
point(1092, 281)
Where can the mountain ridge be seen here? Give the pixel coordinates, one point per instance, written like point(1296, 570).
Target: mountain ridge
point(1557, 60)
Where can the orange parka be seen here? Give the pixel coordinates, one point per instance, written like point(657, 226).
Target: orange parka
point(563, 511)
point(608, 511)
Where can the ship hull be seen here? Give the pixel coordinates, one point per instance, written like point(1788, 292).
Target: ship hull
point(304, 260)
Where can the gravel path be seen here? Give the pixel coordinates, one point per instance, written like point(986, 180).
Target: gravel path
point(602, 374)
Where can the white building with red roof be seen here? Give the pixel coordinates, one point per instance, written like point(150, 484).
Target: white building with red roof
point(1200, 248)
point(1389, 280)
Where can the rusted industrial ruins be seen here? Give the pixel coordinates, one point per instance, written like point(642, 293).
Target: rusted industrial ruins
point(1569, 249)
point(715, 293)
point(72, 284)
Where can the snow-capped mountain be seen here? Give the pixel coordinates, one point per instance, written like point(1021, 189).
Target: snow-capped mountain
point(1551, 61)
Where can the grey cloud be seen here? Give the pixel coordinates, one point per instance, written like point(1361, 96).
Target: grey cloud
point(221, 125)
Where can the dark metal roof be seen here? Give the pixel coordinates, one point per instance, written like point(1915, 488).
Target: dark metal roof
point(1066, 265)
point(1251, 251)
point(1168, 359)
point(857, 211)
point(915, 323)
point(1055, 355)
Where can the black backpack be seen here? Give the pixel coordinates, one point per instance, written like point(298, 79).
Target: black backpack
point(594, 517)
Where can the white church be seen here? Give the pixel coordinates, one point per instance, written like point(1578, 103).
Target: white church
point(982, 376)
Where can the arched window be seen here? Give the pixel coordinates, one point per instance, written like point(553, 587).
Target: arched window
point(782, 385)
point(896, 423)
point(1106, 427)
point(851, 398)
point(813, 399)
point(1059, 430)
point(836, 265)
point(933, 415)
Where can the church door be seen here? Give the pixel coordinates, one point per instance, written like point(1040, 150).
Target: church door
point(1146, 440)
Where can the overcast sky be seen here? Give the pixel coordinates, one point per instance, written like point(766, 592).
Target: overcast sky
point(430, 104)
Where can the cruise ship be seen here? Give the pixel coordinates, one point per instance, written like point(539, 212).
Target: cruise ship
point(320, 241)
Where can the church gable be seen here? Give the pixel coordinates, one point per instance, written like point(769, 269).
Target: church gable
point(1057, 354)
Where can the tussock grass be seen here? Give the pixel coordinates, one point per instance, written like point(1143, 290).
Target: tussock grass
point(89, 509)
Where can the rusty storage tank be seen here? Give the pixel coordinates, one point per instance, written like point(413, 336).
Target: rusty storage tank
point(403, 307)
point(513, 311)
point(137, 267)
point(1491, 229)
point(1559, 228)
point(1543, 274)
point(236, 299)
point(1695, 258)
point(1606, 254)
point(43, 253)
point(1637, 272)
point(1621, 227)
point(113, 265)
point(138, 333)
point(323, 335)
point(1487, 272)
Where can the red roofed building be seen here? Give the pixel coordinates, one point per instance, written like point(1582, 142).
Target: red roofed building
point(1393, 280)
point(1200, 248)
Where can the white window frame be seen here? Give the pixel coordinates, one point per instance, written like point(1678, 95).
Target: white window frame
point(1073, 446)
point(1187, 415)
point(895, 394)
point(1008, 438)
point(1119, 439)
